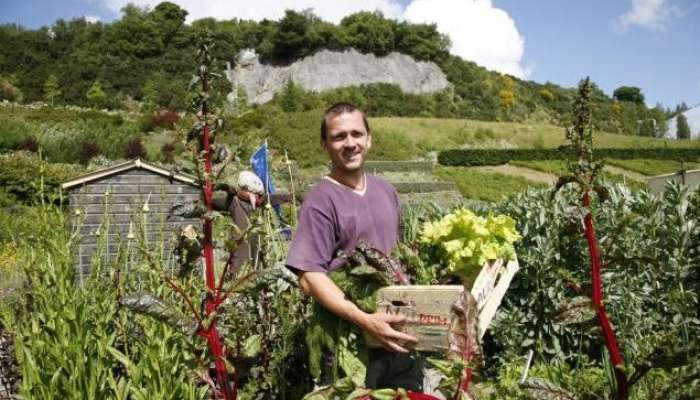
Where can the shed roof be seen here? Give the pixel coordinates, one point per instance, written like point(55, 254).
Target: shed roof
point(126, 166)
point(690, 171)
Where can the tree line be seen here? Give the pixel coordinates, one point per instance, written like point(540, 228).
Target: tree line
point(145, 57)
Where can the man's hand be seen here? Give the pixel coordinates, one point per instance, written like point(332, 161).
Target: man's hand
point(322, 288)
point(379, 326)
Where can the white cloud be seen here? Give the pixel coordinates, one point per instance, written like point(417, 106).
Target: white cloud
point(271, 9)
point(479, 32)
point(652, 14)
point(92, 18)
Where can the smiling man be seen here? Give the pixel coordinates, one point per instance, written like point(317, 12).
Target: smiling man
point(348, 206)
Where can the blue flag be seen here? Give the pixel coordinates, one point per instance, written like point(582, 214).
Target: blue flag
point(261, 167)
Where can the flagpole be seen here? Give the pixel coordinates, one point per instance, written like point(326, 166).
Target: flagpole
point(267, 172)
point(291, 180)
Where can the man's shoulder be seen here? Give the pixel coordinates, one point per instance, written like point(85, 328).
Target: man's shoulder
point(380, 182)
point(319, 194)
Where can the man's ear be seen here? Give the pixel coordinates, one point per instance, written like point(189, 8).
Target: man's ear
point(322, 144)
point(369, 140)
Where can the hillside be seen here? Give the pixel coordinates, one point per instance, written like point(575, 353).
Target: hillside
point(146, 57)
point(73, 135)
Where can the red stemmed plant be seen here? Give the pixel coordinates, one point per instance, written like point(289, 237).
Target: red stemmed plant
point(585, 172)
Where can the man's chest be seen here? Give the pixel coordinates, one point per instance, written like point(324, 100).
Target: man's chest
point(373, 218)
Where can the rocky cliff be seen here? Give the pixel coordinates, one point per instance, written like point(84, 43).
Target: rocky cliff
point(329, 69)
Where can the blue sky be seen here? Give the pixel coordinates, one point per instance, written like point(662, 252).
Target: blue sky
point(646, 43)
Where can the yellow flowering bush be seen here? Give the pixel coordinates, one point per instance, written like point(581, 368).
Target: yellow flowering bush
point(465, 241)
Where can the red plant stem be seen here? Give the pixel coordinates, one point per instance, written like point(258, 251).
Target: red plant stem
point(212, 333)
point(466, 378)
point(608, 332)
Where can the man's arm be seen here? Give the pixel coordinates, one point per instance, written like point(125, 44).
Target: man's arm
point(325, 291)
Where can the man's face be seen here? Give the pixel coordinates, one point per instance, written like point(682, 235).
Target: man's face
point(347, 141)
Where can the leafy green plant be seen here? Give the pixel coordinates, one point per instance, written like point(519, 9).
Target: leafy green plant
point(466, 241)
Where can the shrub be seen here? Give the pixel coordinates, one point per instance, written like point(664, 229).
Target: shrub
point(10, 92)
point(95, 96)
point(30, 143)
point(20, 174)
point(167, 152)
point(165, 119)
point(12, 132)
point(546, 95)
point(135, 149)
point(146, 124)
point(88, 150)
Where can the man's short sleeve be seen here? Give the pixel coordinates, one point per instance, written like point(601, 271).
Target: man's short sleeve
point(314, 242)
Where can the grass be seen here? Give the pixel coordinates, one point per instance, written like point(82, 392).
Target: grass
point(484, 186)
point(558, 167)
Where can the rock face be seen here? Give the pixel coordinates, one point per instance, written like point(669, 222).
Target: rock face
point(329, 69)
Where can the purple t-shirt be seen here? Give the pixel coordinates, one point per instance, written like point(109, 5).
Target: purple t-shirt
point(334, 217)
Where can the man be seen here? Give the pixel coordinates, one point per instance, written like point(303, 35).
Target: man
point(240, 201)
point(347, 206)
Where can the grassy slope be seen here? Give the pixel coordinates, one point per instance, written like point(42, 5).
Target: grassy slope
point(486, 186)
point(440, 134)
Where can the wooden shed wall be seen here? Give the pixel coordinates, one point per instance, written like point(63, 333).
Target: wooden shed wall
point(127, 192)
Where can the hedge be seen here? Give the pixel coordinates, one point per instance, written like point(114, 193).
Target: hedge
point(473, 157)
point(398, 166)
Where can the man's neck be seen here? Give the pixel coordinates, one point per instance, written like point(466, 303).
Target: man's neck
point(351, 179)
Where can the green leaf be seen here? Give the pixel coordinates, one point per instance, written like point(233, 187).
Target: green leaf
point(121, 357)
point(252, 346)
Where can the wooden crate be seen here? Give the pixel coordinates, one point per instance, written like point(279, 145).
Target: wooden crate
point(427, 312)
point(428, 308)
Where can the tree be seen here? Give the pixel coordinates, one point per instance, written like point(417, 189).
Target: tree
point(289, 40)
point(682, 127)
point(96, 97)
point(369, 32)
point(161, 91)
point(51, 89)
point(291, 97)
point(422, 41)
point(629, 93)
point(170, 19)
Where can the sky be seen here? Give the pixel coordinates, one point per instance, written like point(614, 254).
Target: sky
point(650, 44)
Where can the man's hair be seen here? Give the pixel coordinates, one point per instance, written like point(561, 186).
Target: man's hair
point(338, 109)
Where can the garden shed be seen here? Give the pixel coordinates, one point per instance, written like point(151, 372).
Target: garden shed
point(110, 206)
point(690, 178)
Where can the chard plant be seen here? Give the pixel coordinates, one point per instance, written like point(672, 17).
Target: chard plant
point(585, 175)
point(249, 315)
point(215, 296)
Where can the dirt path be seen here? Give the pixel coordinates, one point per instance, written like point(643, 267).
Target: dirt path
point(527, 173)
point(635, 176)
